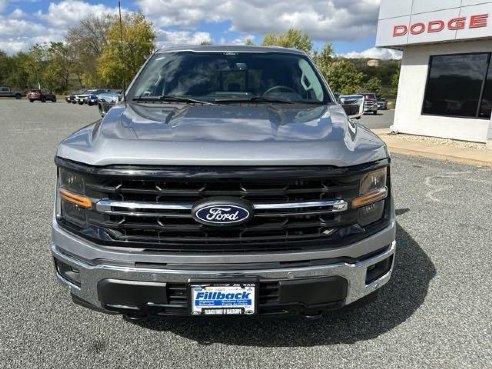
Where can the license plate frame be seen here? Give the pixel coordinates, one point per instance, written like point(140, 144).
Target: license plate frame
point(215, 306)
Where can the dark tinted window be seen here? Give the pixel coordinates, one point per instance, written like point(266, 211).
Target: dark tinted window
point(215, 75)
point(486, 104)
point(455, 84)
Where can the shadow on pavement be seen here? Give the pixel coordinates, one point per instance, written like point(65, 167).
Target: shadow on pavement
point(397, 301)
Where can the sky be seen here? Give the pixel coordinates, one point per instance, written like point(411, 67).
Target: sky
point(350, 25)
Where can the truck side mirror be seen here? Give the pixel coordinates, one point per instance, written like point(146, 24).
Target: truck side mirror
point(104, 107)
point(352, 110)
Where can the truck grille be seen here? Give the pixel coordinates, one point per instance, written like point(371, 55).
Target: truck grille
point(155, 212)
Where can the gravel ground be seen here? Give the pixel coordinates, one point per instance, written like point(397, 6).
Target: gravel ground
point(442, 141)
point(434, 313)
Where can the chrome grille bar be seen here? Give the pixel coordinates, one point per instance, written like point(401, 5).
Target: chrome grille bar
point(138, 208)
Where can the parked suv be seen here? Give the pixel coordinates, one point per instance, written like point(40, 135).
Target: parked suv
point(382, 104)
point(229, 183)
point(41, 95)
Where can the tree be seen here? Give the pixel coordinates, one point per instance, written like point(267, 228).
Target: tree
point(20, 74)
point(56, 73)
point(5, 67)
point(395, 79)
point(293, 38)
point(121, 60)
point(324, 58)
point(86, 42)
point(342, 76)
point(374, 85)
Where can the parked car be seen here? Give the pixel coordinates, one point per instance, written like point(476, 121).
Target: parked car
point(382, 104)
point(41, 95)
point(8, 92)
point(94, 96)
point(211, 193)
point(83, 98)
point(107, 100)
point(357, 100)
point(370, 103)
point(70, 97)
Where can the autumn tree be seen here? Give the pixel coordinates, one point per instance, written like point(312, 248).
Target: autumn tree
point(128, 46)
point(86, 42)
point(293, 38)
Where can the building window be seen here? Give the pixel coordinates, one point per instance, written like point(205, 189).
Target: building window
point(459, 85)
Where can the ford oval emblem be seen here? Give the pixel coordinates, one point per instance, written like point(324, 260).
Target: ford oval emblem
point(222, 212)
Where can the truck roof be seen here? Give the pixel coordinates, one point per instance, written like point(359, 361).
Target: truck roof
point(231, 48)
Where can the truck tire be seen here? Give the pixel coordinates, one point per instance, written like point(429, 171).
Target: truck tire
point(18, 96)
point(54, 99)
point(31, 100)
point(43, 99)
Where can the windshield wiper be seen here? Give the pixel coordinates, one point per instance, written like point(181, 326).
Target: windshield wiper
point(253, 99)
point(170, 98)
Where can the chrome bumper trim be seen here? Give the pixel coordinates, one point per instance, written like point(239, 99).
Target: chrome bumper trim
point(90, 275)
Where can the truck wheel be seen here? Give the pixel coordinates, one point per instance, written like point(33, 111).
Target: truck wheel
point(43, 99)
point(18, 96)
point(54, 99)
point(31, 100)
point(375, 112)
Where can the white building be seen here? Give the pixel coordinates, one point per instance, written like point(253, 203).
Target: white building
point(445, 85)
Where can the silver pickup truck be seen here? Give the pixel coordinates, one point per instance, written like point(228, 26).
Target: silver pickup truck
point(229, 182)
point(8, 92)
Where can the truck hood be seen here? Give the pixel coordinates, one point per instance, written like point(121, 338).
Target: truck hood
point(236, 135)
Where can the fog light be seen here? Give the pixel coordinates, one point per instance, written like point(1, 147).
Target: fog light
point(378, 270)
point(68, 273)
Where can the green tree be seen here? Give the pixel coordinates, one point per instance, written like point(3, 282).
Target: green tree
point(293, 38)
point(20, 74)
point(121, 60)
point(395, 79)
point(374, 85)
point(58, 67)
point(324, 57)
point(37, 55)
point(342, 76)
point(86, 42)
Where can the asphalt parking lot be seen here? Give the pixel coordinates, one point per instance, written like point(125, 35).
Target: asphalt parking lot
point(436, 311)
point(384, 119)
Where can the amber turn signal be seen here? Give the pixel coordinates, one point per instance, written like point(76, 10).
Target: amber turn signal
point(370, 198)
point(73, 198)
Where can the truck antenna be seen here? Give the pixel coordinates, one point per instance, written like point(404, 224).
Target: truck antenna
point(121, 49)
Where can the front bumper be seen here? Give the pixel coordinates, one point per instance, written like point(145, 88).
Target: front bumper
point(95, 266)
point(370, 109)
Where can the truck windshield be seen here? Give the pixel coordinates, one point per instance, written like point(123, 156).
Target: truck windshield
point(230, 76)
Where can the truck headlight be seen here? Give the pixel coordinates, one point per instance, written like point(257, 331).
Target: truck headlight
point(373, 191)
point(73, 203)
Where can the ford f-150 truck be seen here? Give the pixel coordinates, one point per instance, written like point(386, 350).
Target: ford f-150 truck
point(229, 182)
point(7, 92)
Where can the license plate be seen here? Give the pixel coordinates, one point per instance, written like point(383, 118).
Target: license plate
point(223, 299)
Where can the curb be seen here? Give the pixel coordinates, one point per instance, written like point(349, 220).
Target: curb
point(451, 158)
point(433, 151)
